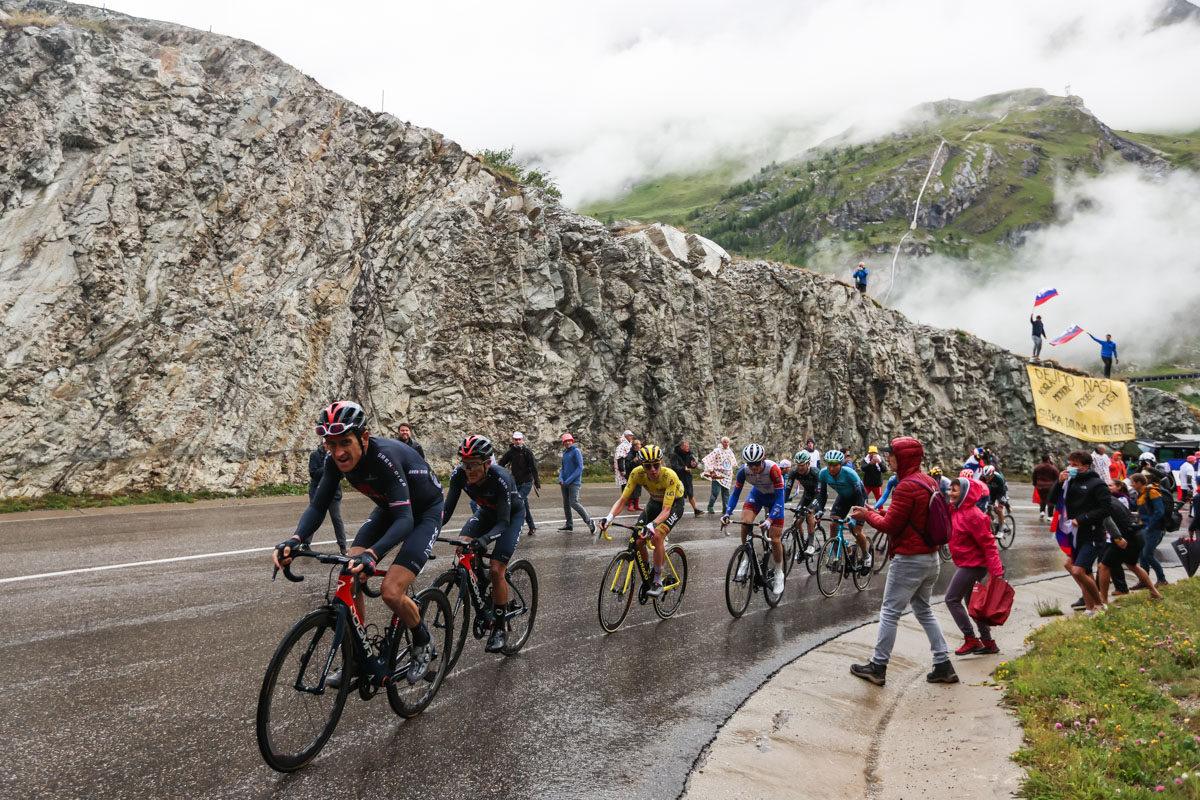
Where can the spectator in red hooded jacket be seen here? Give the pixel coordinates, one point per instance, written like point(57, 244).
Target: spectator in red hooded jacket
point(915, 564)
point(973, 548)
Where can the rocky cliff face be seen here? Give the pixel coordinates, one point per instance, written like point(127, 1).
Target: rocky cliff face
point(200, 247)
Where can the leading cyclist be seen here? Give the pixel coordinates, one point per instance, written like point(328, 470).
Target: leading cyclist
point(408, 513)
point(766, 491)
point(663, 511)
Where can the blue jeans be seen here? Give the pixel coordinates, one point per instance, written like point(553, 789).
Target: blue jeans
point(718, 489)
point(1148, 561)
point(525, 489)
point(910, 580)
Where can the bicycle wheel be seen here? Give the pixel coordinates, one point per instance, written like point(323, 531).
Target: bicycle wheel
point(460, 605)
point(674, 583)
point(766, 570)
point(617, 588)
point(295, 720)
point(738, 590)
point(944, 552)
point(818, 540)
point(410, 699)
point(1008, 533)
point(862, 581)
point(791, 545)
point(522, 605)
point(830, 566)
point(879, 551)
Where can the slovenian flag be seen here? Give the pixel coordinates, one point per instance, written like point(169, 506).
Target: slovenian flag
point(1067, 335)
point(1045, 294)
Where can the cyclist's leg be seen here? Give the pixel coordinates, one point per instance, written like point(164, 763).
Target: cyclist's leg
point(410, 558)
point(776, 515)
point(502, 553)
point(368, 534)
point(660, 536)
point(755, 502)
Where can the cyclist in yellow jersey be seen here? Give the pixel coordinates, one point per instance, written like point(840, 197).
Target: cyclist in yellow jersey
point(662, 512)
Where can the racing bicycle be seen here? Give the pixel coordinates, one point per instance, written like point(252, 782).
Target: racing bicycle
point(328, 653)
point(1006, 533)
point(468, 586)
point(837, 558)
point(617, 588)
point(748, 571)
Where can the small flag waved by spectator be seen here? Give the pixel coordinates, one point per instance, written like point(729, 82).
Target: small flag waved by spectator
point(1045, 294)
point(1067, 335)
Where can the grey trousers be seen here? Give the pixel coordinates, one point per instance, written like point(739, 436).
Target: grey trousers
point(910, 580)
point(1037, 346)
point(570, 496)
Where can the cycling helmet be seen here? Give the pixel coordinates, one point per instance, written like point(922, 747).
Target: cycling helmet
point(754, 453)
point(650, 454)
point(479, 447)
point(936, 472)
point(967, 473)
point(977, 452)
point(989, 471)
point(785, 465)
point(344, 416)
point(802, 457)
point(835, 457)
point(1147, 458)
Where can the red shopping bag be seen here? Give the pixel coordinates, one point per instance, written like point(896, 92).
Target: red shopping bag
point(1037, 498)
point(991, 603)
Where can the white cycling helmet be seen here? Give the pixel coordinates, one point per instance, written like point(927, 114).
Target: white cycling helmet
point(1147, 458)
point(988, 471)
point(835, 457)
point(753, 453)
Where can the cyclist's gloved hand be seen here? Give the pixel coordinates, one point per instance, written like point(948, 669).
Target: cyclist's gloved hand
point(363, 563)
point(283, 550)
point(604, 523)
point(724, 519)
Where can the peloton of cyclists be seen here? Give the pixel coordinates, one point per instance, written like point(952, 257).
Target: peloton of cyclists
point(499, 516)
point(408, 513)
point(660, 514)
point(766, 491)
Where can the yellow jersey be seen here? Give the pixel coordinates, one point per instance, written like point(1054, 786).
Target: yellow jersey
point(666, 489)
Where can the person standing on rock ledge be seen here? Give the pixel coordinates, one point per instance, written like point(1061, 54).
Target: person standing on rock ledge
point(860, 278)
point(1108, 353)
point(1039, 334)
point(570, 478)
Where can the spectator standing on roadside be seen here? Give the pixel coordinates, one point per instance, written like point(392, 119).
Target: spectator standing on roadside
point(973, 548)
point(683, 462)
point(872, 472)
point(915, 564)
point(1101, 462)
point(1187, 478)
point(1152, 511)
point(1108, 353)
point(1122, 551)
point(316, 468)
point(619, 455)
point(1116, 467)
point(860, 278)
point(404, 434)
point(1039, 334)
point(519, 460)
point(1045, 475)
point(570, 478)
point(815, 461)
point(1086, 503)
point(632, 461)
point(719, 466)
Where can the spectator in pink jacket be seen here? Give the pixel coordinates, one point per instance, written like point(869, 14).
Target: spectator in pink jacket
point(973, 548)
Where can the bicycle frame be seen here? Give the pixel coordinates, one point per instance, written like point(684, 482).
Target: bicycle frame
point(465, 565)
point(644, 569)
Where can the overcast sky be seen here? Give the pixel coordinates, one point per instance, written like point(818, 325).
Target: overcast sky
point(611, 93)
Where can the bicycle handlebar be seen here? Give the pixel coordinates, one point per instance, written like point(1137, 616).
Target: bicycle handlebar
point(304, 552)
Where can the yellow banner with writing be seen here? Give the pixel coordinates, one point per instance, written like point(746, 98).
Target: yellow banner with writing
point(1091, 409)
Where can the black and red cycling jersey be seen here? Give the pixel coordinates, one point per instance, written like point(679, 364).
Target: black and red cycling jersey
point(496, 495)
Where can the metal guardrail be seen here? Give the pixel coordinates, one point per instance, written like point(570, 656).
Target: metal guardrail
point(1156, 378)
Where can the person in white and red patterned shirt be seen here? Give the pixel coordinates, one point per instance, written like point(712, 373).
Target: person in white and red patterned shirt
point(719, 466)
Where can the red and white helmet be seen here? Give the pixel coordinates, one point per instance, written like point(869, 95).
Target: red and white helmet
point(344, 416)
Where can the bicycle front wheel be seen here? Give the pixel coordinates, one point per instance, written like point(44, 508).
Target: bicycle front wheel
point(617, 589)
point(861, 580)
point(460, 606)
point(739, 580)
point(674, 583)
point(295, 717)
point(767, 570)
point(791, 546)
point(522, 605)
point(879, 551)
point(831, 562)
point(410, 699)
point(1008, 533)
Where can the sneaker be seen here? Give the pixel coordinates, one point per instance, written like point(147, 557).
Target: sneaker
point(591, 527)
point(943, 672)
point(777, 581)
point(696, 512)
point(743, 570)
point(871, 672)
point(1160, 584)
point(989, 647)
point(533, 531)
point(566, 528)
point(865, 567)
point(422, 657)
point(1079, 604)
point(969, 647)
point(495, 642)
point(655, 590)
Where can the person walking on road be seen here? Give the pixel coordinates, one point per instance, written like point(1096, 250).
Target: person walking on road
point(1151, 509)
point(1108, 353)
point(404, 434)
point(1039, 334)
point(973, 548)
point(620, 474)
point(1085, 505)
point(683, 461)
point(719, 466)
point(316, 468)
point(1045, 475)
point(915, 564)
point(518, 459)
point(570, 478)
point(1187, 478)
point(860, 278)
point(1122, 551)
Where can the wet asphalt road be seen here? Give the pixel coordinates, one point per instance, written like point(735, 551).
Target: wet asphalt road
point(142, 681)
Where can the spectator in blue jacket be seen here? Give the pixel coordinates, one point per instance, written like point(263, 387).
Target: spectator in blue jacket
point(860, 278)
point(1108, 353)
point(316, 468)
point(1151, 509)
point(570, 477)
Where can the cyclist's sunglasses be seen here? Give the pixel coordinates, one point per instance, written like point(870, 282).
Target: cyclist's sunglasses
point(657, 463)
point(473, 464)
point(332, 429)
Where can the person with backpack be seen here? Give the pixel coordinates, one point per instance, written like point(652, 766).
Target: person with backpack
point(1125, 546)
point(974, 550)
point(1150, 509)
point(1085, 504)
point(917, 523)
point(860, 278)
